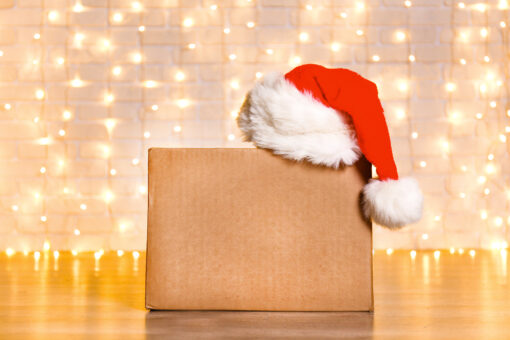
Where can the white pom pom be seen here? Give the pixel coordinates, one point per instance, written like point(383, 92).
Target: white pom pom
point(393, 203)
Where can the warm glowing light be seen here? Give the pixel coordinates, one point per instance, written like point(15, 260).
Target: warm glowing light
point(376, 58)
point(117, 17)
point(107, 43)
point(389, 251)
point(498, 221)
point(343, 15)
point(414, 135)
point(117, 70)
point(402, 86)
point(463, 61)
point(154, 107)
point(408, 3)
point(137, 57)
point(79, 37)
point(46, 245)
point(335, 47)
point(136, 255)
point(472, 253)
point(502, 24)
point(136, 5)
point(258, 75)
point(37, 36)
point(484, 214)
point(60, 61)
point(296, 60)
point(113, 172)
point(400, 35)
point(490, 168)
point(303, 36)
point(108, 98)
point(437, 254)
point(360, 6)
point(401, 114)
point(76, 82)
point(412, 58)
point(180, 76)
point(502, 138)
point(231, 137)
point(141, 28)
point(83, 206)
point(452, 250)
point(9, 252)
point(135, 161)
point(53, 15)
point(14, 207)
point(66, 115)
point(484, 32)
point(309, 7)
point(425, 236)
point(462, 195)
point(142, 189)
point(74, 252)
point(226, 30)
point(493, 104)
point(42, 170)
point(182, 103)
point(232, 56)
point(213, 7)
point(359, 32)
point(480, 7)
point(486, 59)
point(108, 196)
point(150, 84)
point(39, 93)
point(490, 156)
point(423, 164)
point(234, 84)
point(250, 24)
point(7, 106)
point(462, 5)
point(37, 255)
point(97, 255)
point(187, 22)
point(450, 87)
point(78, 7)
point(36, 119)
point(177, 128)
point(413, 254)
point(120, 253)
point(76, 232)
point(234, 113)
point(56, 254)
point(62, 132)
point(192, 46)
point(146, 134)
point(479, 115)
point(503, 4)
point(437, 218)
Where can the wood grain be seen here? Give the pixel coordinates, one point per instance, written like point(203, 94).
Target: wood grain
point(453, 297)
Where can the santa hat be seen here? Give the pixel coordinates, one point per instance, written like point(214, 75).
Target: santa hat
point(331, 117)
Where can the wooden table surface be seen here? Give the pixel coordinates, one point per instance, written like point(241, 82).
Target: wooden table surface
point(429, 295)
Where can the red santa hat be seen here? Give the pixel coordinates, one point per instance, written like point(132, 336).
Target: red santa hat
point(331, 117)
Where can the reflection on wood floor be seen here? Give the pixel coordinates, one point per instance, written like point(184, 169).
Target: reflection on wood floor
point(101, 296)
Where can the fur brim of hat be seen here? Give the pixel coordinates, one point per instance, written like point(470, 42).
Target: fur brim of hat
point(276, 115)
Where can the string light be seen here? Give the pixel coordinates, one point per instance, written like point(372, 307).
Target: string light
point(187, 22)
point(335, 47)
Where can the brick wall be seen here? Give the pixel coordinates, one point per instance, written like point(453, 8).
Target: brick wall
point(86, 87)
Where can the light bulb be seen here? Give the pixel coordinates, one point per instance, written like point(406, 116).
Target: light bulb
point(303, 36)
point(141, 28)
point(39, 93)
point(335, 47)
point(187, 22)
point(177, 128)
point(117, 70)
point(180, 76)
point(250, 24)
point(412, 58)
point(76, 232)
point(53, 15)
point(376, 58)
point(117, 17)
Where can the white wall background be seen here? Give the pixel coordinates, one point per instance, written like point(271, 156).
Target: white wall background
point(87, 86)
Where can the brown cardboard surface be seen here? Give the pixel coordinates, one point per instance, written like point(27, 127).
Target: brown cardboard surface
point(243, 229)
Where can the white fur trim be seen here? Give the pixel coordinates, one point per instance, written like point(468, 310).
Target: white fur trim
point(276, 115)
point(393, 203)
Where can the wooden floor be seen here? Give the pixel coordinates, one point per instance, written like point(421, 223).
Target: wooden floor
point(439, 296)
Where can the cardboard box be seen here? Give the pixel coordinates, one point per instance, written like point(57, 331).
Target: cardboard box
point(243, 229)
